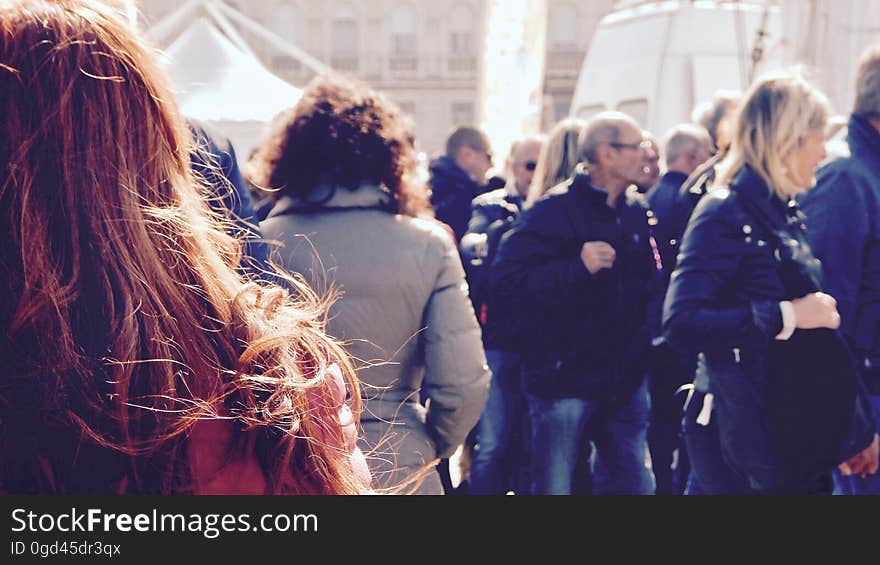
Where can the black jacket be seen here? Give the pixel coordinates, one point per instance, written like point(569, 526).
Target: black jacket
point(493, 215)
point(781, 405)
point(663, 198)
point(843, 217)
point(452, 191)
point(583, 335)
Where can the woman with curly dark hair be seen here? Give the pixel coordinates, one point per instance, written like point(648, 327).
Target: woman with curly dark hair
point(351, 215)
point(136, 358)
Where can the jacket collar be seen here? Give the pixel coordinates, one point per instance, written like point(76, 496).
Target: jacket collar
point(754, 191)
point(583, 184)
point(328, 197)
point(862, 136)
point(673, 177)
point(447, 167)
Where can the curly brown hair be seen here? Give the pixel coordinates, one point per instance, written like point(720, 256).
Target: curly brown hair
point(341, 133)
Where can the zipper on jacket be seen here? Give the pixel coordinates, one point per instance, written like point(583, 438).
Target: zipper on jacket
point(736, 354)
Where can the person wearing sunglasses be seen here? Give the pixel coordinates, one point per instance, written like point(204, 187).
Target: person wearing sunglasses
point(459, 176)
point(499, 456)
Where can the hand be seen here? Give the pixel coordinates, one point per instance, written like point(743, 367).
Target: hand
point(597, 255)
point(474, 245)
point(816, 310)
point(864, 463)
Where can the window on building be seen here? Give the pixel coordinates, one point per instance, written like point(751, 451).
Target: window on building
point(562, 34)
point(316, 35)
point(404, 46)
point(587, 112)
point(561, 106)
point(462, 40)
point(462, 114)
point(284, 24)
point(283, 21)
point(403, 31)
point(408, 107)
point(345, 39)
point(637, 109)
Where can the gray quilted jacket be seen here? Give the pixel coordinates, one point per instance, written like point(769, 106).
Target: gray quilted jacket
point(404, 315)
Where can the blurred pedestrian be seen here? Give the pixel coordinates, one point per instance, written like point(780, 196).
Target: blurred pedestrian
point(351, 216)
point(842, 214)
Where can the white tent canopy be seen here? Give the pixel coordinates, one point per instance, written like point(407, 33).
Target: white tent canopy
point(220, 84)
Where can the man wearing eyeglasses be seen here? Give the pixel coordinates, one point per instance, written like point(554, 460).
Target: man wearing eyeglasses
point(499, 454)
point(578, 269)
point(458, 176)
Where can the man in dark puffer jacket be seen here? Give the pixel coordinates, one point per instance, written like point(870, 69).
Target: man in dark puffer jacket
point(579, 267)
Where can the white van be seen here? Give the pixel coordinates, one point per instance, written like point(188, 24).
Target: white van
point(656, 61)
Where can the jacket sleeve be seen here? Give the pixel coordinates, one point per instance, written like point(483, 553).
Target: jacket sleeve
point(839, 231)
point(480, 218)
point(699, 313)
point(456, 381)
point(863, 425)
point(532, 268)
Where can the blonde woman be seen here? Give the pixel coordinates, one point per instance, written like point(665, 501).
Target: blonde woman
point(773, 411)
point(557, 159)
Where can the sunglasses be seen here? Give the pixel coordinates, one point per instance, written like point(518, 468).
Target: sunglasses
point(640, 145)
point(529, 165)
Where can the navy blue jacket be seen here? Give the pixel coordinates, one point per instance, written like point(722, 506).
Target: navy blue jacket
point(490, 207)
point(215, 162)
point(781, 405)
point(663, 201)
point(843, 218)
point(452, 191)
point(584, 335)
point(493, 214)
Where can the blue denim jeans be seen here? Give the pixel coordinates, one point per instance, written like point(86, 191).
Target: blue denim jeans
point(562, 427)
point(500, 449)
point(854, 484)
point(710, 474)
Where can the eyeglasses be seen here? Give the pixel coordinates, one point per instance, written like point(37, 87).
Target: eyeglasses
point(636, 146)
point(528, 165)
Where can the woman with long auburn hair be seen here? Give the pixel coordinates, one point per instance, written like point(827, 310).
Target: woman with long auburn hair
point(136, 359)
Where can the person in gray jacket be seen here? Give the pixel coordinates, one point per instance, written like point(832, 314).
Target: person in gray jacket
point(352, 219)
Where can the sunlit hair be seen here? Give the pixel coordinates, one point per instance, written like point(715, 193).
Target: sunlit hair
point(709, 114)
point(123, 318)
point(466, 136)
point(341, 134)
point(867, 103)
point(776, 115)
point(682, 138)
point(602, 128)
point(557, 159)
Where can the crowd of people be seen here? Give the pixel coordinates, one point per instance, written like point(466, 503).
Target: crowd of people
point(608, 314)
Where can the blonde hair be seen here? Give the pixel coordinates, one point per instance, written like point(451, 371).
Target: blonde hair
point(777, 113)
point(557, 159)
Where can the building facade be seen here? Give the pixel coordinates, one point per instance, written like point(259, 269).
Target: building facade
point(425, 56)
point(570, 28)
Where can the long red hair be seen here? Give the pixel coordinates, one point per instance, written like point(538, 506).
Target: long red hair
point(123, 318)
